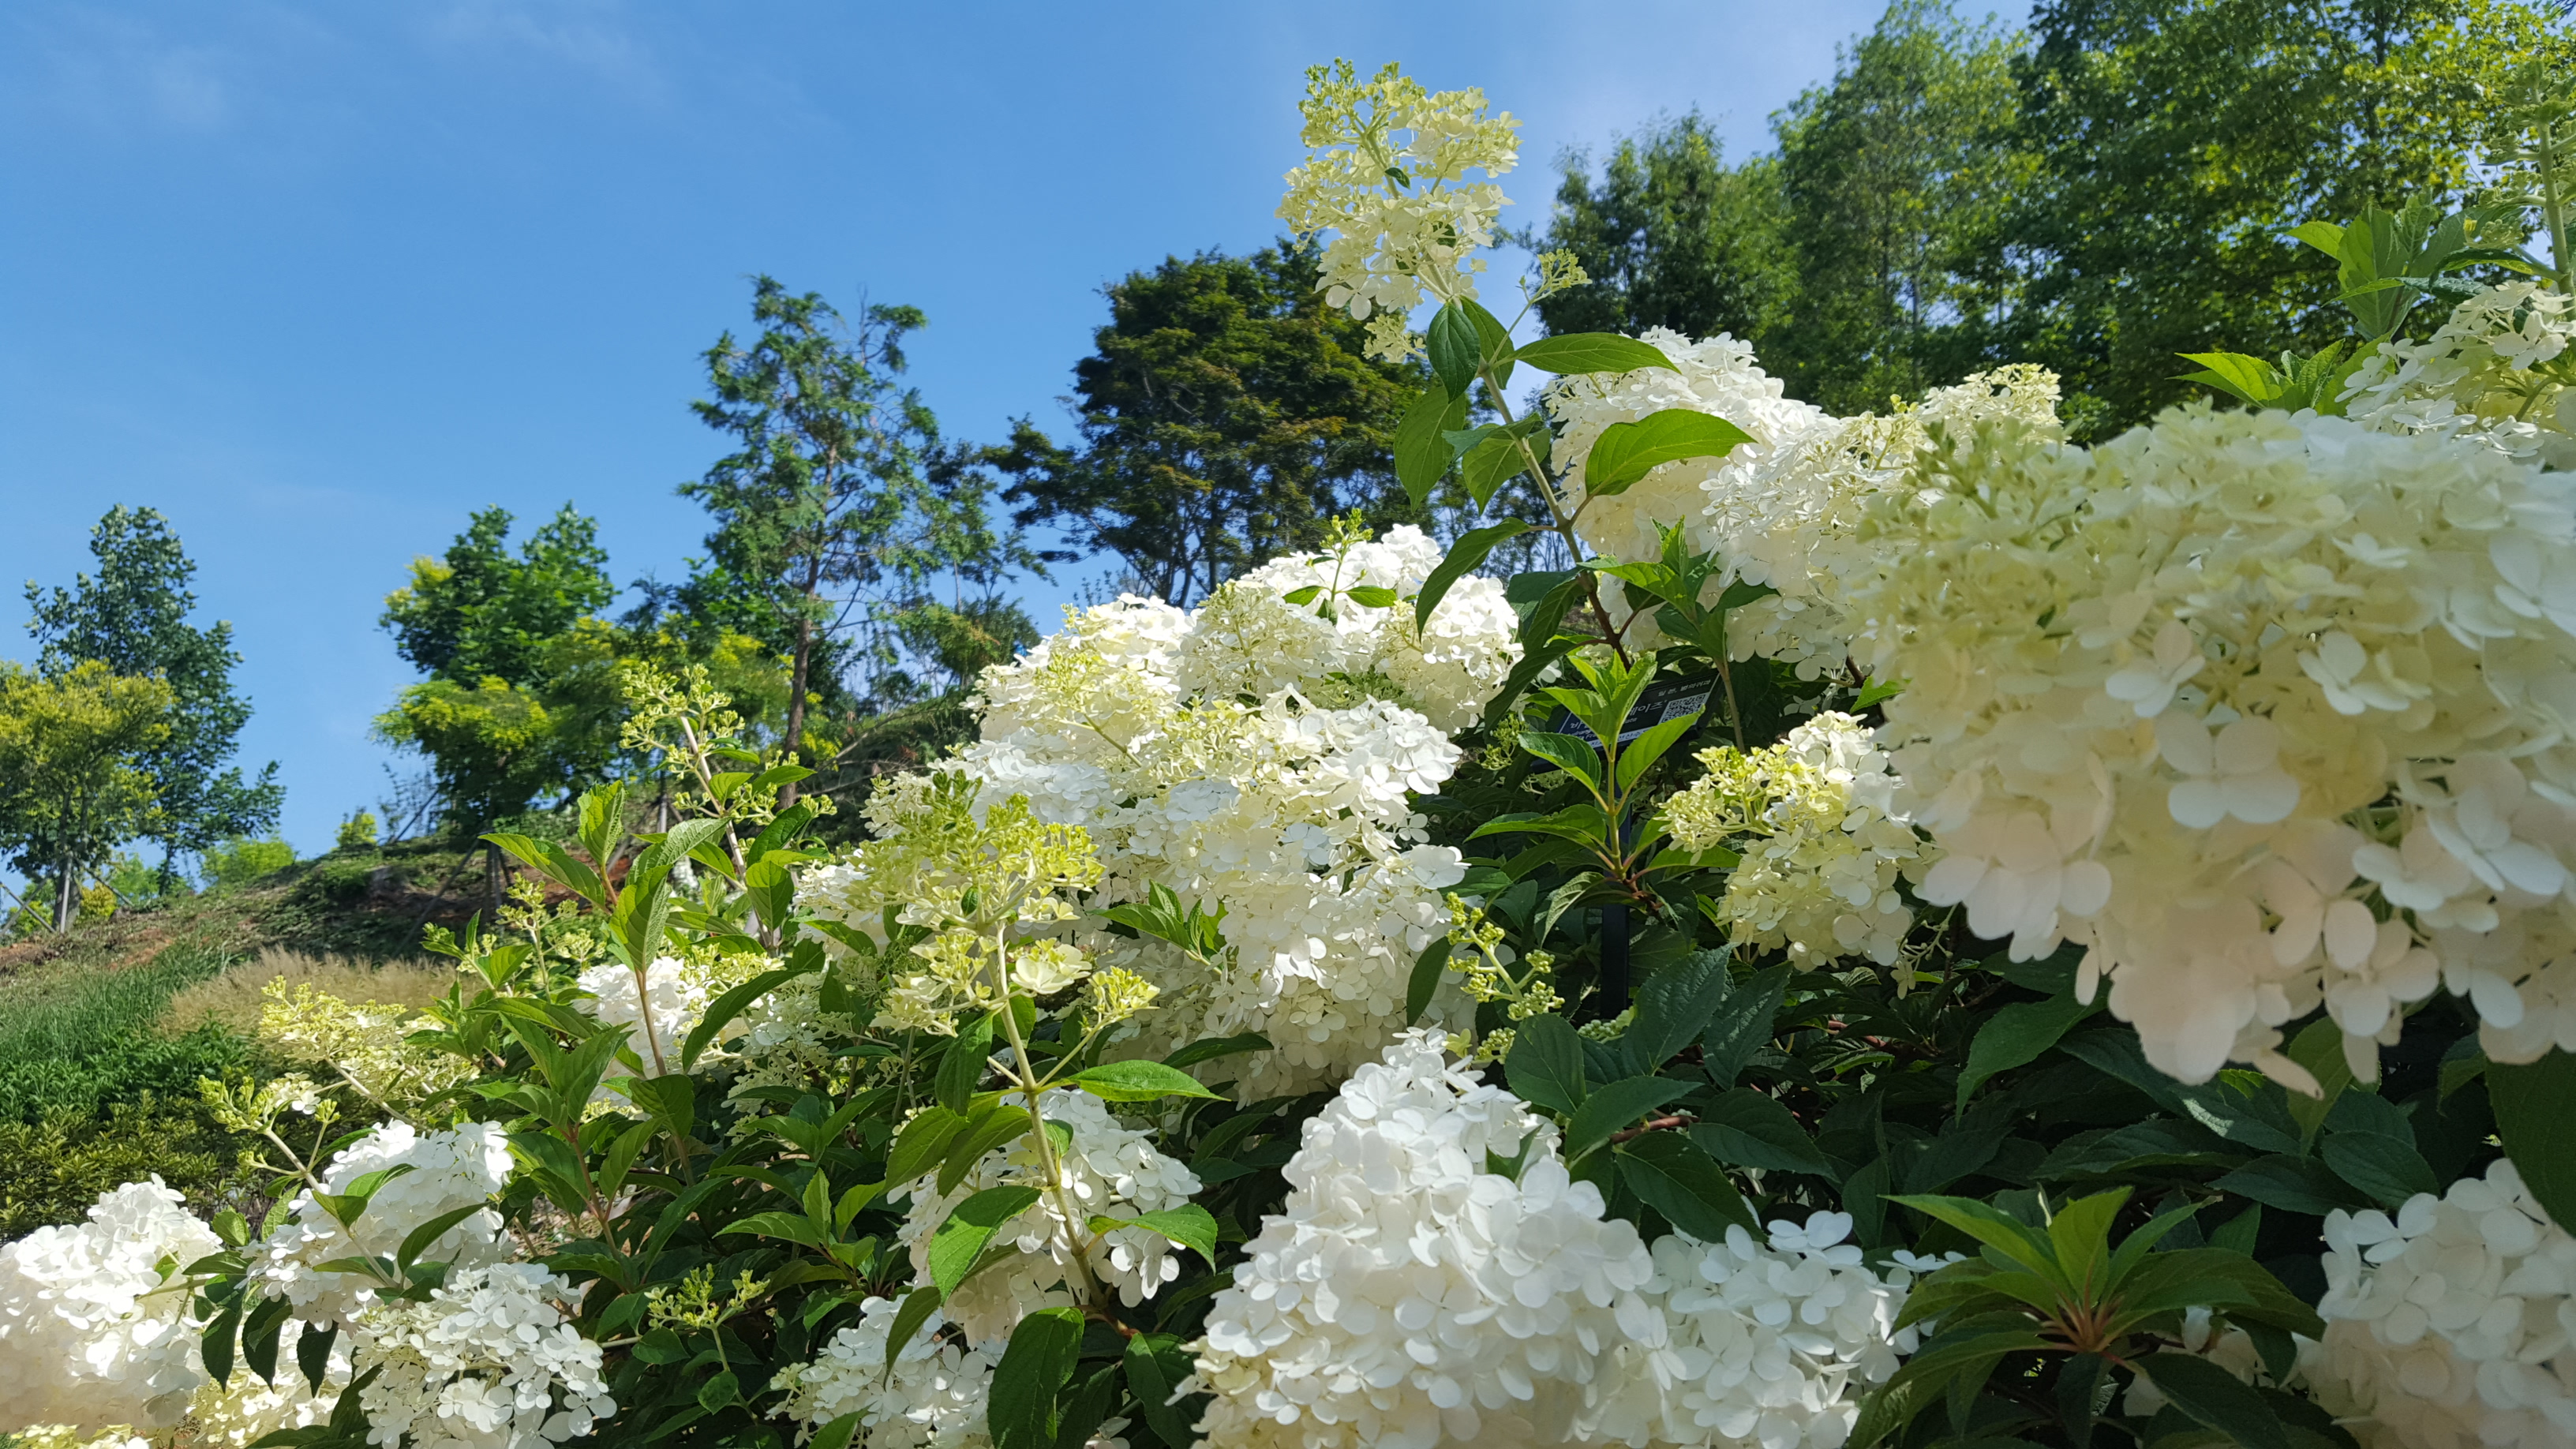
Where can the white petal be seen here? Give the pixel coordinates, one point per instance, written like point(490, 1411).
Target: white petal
point(2198, 803)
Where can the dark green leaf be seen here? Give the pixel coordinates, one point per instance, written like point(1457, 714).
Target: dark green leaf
point(726, 1008)
point(1455, 349)
point(1750, 1129)
point(2290, 1184)
point(1546, 1064)
point(1673, 1005)
point(1463, 558)
point(259, 1337)
point(2386, 1170)
point(1136, 1081)
point(1156, 1365)
point(836, 1434)
point(2535, 1113)
point(962, 1066)
point(1575, 756)
point(1626, 452)
point(1421, 453)
point(2016, 1036)
point(2216, 1398)
point(1428, 968)
point(1686, 1185)
point(1033, 1370)
point(1616, 1106)
point(1577, 352)
point(1742, 1024)
point(961, 1237)
point(1208, 1049)
point(917, 1307)
point(313, 1353)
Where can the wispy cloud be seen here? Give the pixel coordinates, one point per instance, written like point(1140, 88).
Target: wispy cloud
point(120, 72)
point(596, 36)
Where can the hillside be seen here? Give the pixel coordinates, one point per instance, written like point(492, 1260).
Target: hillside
point(106, 1031)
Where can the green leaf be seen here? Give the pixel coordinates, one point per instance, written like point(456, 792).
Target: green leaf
point(2290, 1184)
point(1189, 1225)
point(2319, 1048)
point(726, 1008)
point(1686, 1185)
point(1208, 1049)
point(1371, 596)
point(1156, 1364)
point(2385, 1169)
point(313, 1353)
point(1489, 465)
point(2325, 236)
point(1751, 1129)
point(962, 1066)
point(1033, 1370)
point(2535, 1113)
point(1572, 754)
point(1428, 968)
point(1639, 755)
point(259, 1337)
point(995, 1125)
point(417, 1241)
point(719, 1392)
point(1626, 452)
point(1614, 1107)
point(1463, 558)
point(1578, 352)
point(2081, 1231)
point(1672, 1007)
point(2216, 1399)
point(222, 1333)
point(836, 1434)
point(787, 1227)
point(961, 1236)
point(1454, 348)
point(2016, 1036)
point(1582, 824)
point(1742, 1023)
point(1994, 1227)
point(1421, 453)
point(1546, 1064)
point(1136, 1081)
point(2250, 379)
point(917, 1307)
point(922, 1143)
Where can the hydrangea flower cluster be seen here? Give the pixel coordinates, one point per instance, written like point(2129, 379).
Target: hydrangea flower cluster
point(1782, 510)
point(242, 1411)
point(1821, 841)
point(1387, 176)
point(661, 1010)
point(1104, 1168)
point(64, 1436)
point(1244, 754)
point(931, 1396)
point(448, 1170)
point(491, 1361)
point(2254, 706)
point(1409, 1296)
point(89, 1337)
point(1772, 1344)
point(2476, 375)
point(2450, 1323)
point(368, 1041)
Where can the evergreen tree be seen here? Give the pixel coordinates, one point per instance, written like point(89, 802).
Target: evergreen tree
point(1224, 415)
point(131, 618)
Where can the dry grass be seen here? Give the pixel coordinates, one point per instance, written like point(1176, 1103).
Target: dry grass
point(234, 997)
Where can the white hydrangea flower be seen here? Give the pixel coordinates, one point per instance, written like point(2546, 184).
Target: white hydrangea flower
point(2474, 376)
point(1106, 1168)
point(64, 1436)
point(671, 999)
point(2448, 1324)
point(1764, 1344)
point(1275, 782)
point(451, 1169)
point(1386, 175)
point(492, 1361)
point(2150, 715)
point(1408, 1297)
point(89, 1335)
point(240, 1413)
point(1821, 842)
point(931, 1397)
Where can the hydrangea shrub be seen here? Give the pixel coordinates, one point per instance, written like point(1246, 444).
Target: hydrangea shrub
point(1915, 932)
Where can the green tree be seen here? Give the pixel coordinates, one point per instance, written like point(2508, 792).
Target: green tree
point(1224, 415)
point(1892, 182)
point(2180, 138)
point(1671, 236)
point(75, 771)
point(478, 613)
point(132, 618)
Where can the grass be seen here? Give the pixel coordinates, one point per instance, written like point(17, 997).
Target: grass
point(105, 1032)
point(232, 999)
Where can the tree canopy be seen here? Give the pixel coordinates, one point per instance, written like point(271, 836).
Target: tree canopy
point(1224, 416)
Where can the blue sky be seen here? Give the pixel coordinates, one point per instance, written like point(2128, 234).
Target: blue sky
point(316, 280)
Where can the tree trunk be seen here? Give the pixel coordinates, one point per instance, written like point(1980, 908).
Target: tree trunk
point(66, 897)
point(796, 702)
point(492, 880)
